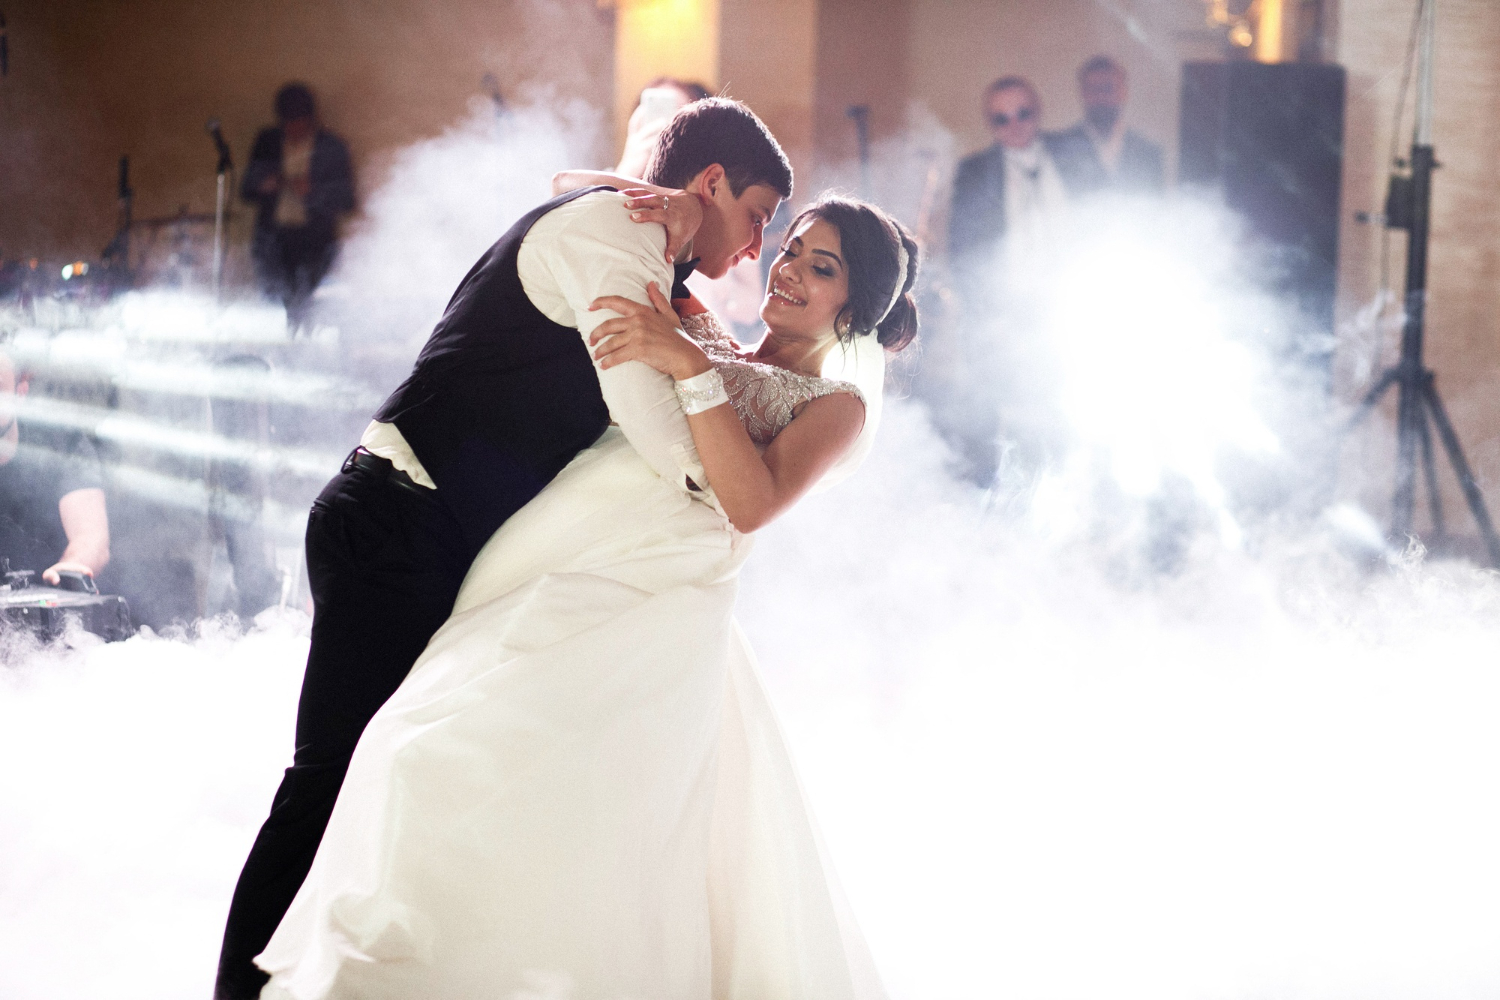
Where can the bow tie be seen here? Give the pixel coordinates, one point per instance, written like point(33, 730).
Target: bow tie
point(680, 274)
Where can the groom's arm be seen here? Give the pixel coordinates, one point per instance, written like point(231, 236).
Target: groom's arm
point(589, 248)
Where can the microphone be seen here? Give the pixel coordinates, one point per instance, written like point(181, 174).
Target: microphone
point(226, 164)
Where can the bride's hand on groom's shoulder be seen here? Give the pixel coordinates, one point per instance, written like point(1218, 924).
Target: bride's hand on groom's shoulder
point(680, 212)
point(650, 334)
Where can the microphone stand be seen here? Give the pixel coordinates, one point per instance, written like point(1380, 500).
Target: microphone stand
point(116, 256)
point(221, 199)
point(1409, 207)
point(860, 115)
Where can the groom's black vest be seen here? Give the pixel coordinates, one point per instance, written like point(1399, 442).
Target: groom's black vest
point(501, 397)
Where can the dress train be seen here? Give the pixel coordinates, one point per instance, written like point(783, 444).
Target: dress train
point(581, 790)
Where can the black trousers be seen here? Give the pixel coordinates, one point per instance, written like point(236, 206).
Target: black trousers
point(385, 562)
point(291, 262)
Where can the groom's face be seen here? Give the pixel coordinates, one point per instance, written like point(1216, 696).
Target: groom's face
point(732, 226)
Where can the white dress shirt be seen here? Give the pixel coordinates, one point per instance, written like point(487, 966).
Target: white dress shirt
point(1033, 194)
point(296, 164)
point(571, 256)
point(1109, 147)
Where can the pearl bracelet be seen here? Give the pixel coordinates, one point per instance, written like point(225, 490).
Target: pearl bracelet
point(701, 392)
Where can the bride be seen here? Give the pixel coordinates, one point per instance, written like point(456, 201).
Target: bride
point(581, 791)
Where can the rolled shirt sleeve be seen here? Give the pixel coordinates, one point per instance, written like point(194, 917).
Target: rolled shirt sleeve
point(587, 248)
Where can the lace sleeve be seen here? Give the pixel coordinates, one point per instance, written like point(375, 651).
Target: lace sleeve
point(765, 397)
point(706, 329)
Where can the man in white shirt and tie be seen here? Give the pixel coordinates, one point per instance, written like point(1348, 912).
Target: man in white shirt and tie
point(1004, 199)
point(1005, 192)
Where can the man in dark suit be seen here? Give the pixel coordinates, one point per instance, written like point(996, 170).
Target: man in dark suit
point(502, 397)
point(300, 180)
point(1099, 154)
point(1004, 198)
point(1007, 184)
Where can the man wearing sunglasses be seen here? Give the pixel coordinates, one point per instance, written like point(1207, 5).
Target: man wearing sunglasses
point(1099, 154)
point(1004, 198)
point(1005, 192)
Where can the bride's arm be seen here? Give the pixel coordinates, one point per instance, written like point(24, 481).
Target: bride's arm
point(571, 180)
point(753, 488)
point(679, 211)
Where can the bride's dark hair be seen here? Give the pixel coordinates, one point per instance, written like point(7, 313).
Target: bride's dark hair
point(871, 242)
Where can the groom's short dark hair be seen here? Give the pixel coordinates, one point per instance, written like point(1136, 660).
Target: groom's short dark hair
point(723, 131)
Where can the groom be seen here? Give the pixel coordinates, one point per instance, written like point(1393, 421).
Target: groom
point(503, 396)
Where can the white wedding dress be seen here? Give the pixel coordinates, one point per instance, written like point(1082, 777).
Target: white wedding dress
point(581, 791)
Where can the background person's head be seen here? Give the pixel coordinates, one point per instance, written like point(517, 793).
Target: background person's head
point(838, 271)
point(1102, 88)
point(660, 99)
point(1014, 111)
point(657, 103)
point(718, 150)
point(296, 111)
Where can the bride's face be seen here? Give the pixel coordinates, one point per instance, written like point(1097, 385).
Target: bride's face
point(809, 284)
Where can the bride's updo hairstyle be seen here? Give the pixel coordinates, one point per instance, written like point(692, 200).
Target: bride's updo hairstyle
point(872, 244)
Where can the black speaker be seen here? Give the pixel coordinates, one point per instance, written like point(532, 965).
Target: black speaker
point(1269, 139)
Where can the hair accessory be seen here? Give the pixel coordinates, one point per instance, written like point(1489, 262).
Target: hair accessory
point(902, 260)
point(701, 392)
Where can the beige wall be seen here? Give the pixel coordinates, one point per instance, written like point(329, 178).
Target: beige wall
point(768, 59)
point(92, 79)
point(1463, 340)
point(654, 38)
point(864, 58)
point(763, 52)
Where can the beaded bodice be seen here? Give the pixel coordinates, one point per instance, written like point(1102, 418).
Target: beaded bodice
point(765, 397)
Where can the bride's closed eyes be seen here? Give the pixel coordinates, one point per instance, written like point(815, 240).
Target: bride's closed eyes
point(789, 250)
point(809, 283)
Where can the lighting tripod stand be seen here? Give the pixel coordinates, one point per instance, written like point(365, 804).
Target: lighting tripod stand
point(1409, 207)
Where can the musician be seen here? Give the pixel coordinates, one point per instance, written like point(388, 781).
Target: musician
point(301, 180)
point(52, 510)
